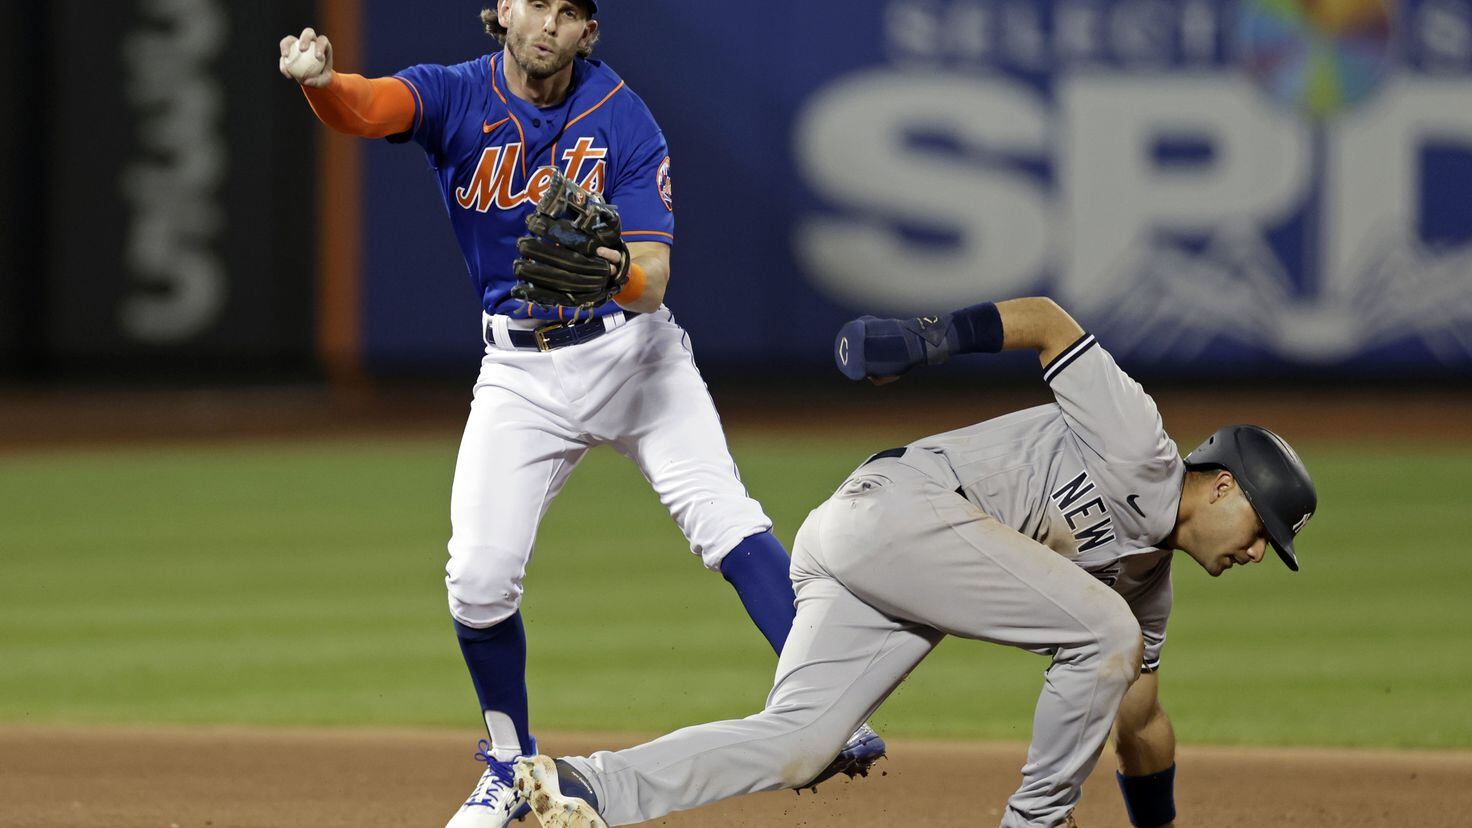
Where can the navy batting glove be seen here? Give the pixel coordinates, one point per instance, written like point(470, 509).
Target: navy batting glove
point(874, 347)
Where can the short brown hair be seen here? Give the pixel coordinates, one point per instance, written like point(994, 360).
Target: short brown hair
point(495, 29)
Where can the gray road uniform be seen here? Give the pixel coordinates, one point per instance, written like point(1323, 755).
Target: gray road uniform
point(1038, 529)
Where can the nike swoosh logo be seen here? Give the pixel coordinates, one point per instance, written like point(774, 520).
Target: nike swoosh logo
point(485, 126)
point(1131, 501)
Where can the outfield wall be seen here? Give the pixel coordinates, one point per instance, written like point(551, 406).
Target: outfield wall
point(1169, 171)
point(1218, 188)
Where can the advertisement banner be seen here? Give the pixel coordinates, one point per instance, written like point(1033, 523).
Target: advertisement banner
point(1213, 187)
point(181, 207)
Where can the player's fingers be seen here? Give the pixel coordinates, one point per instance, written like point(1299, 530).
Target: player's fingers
point(308, 35)
point(610, 254)
point(286, 44)
point(285, 59)
point(324, 47)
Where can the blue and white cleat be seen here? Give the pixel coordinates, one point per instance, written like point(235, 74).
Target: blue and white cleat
point(859, 754)
point(558, 795)
point(494, 803)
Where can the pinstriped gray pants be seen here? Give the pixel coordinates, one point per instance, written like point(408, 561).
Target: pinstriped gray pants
point(893, 562)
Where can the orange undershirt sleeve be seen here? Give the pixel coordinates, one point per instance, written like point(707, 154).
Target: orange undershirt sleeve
point(370, 107)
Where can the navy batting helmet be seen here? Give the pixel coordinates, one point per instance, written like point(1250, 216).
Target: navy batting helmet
point(1271, 475)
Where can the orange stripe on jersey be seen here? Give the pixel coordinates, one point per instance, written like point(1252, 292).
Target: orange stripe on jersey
point(585, 113)
point(418, 101)
point(512, 115)
point(647, 233)
point(590, 109)
point(493, 87)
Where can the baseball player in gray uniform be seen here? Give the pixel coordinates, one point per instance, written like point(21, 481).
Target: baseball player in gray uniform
point(1049, 529)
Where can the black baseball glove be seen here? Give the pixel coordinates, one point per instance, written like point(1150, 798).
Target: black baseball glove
point(559, 262)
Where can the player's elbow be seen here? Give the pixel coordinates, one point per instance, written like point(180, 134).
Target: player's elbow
point(1057, 326)
point(650, 300)
point(1037, 323)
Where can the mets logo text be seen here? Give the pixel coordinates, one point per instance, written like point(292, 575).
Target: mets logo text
point(493, 183)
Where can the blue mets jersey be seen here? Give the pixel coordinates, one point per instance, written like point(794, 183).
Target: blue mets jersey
point(486, 146)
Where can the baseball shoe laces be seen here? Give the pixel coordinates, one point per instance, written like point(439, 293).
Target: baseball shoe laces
point(494, 803)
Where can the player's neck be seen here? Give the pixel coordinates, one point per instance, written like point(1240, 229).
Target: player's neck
point(1182, 532)
point(541, 92)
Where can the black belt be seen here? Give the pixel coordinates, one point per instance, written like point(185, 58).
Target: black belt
point(558, 334)
point(894, 452)
point(900, 452)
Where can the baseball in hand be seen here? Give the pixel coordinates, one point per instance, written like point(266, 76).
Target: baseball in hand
point(304, 65)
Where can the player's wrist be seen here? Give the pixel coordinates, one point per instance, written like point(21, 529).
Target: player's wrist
point(1149, 800)
point(323, 80)
point(633, 289)
point(975, 330)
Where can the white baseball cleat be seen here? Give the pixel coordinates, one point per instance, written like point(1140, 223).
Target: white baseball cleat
point(494, 803)
point(539, 784)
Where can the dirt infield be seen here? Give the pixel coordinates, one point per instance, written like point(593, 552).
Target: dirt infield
point(235, 778)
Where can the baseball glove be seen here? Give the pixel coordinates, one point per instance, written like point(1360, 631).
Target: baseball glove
point(559, 263)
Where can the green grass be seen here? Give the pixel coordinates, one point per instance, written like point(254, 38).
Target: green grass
point(301, 583)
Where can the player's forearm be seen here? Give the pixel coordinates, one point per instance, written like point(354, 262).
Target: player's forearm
point(646, 294)
point(367, 107)
point(1037, 323)
point(1146, 747)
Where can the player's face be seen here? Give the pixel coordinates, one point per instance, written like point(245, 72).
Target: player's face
point(543, 36)
point(1230, 533)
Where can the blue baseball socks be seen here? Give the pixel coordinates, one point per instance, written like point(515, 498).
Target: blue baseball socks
point(759, 570)
point(496, 657)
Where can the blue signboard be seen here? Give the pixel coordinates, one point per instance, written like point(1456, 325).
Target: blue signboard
point(1219, 188)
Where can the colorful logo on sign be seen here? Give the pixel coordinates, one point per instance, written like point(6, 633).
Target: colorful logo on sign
point(1136, 160)
point(1320, 56)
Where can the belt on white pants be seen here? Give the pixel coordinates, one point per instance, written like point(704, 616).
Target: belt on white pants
point(504, 332)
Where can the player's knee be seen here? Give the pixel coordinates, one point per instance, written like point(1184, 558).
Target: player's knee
point(484, 586)
point(805, 756)
point(1120, 646)
point(806, 742)
point(798, 769)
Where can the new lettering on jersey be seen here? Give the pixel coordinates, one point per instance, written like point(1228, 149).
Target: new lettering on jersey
point(1093, 477)
point(486, 146)
point(1065, 497)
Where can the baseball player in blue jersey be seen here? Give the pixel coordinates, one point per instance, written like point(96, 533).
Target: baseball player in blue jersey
point(1049, 529)
point(557, 182)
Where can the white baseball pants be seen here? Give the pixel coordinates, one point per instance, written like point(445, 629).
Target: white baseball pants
point(533, 417)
